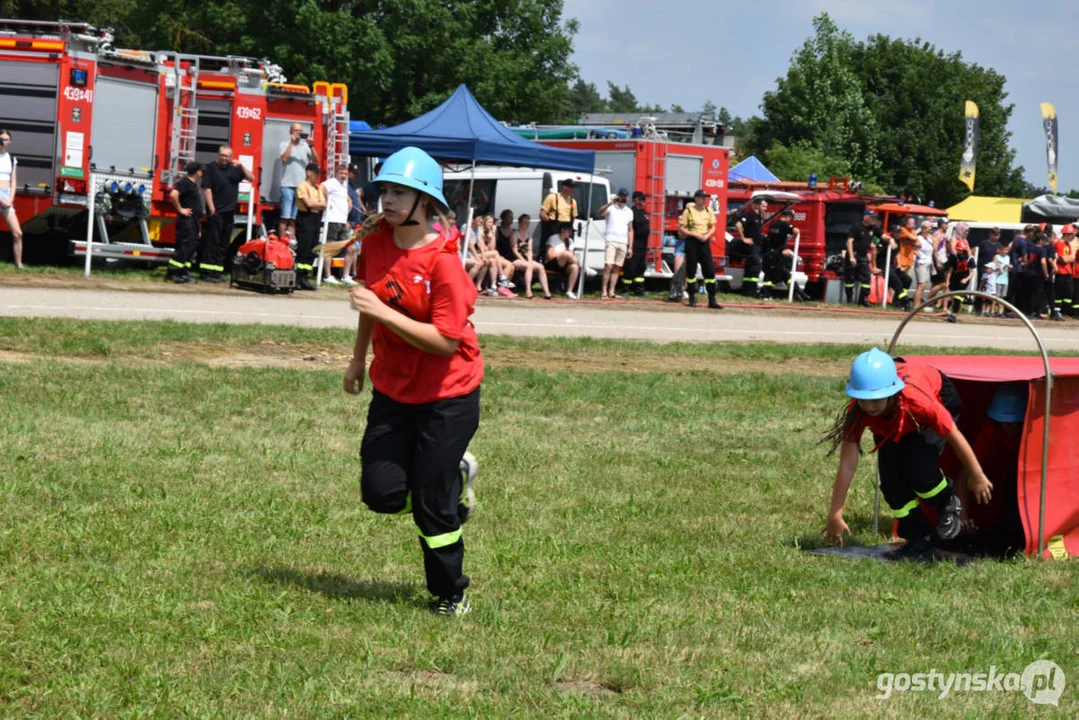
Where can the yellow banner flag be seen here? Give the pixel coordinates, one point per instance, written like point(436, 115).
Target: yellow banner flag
point(970, 147)
point(1049, 122)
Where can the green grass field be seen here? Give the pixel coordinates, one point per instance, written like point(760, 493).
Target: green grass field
point(181, 534)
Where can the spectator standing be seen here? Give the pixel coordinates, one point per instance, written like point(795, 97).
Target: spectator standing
point(923, 262)
point(637, 253)
point(186, 197)
point(338, 205)
point(749, 245)
point(942, 267)
point(560, 257)
point(221, 190)
point(618, 239)
point(523, 257)
point(8, 184)
point(984, 250)
point(697, 225)
point(859, 245)
point(296, 154)
point(310, 202)
point(963, 271)
point(1066, 253)
point(558, 208)
point(357, 210)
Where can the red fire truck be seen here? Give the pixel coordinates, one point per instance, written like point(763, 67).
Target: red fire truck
point(668, 173)
point(824, 215)
point(103, 133)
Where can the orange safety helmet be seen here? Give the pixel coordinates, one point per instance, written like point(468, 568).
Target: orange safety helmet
point(1067, 230)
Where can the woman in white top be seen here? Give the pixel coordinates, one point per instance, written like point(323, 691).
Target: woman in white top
point(923, 261)
point(8, 180)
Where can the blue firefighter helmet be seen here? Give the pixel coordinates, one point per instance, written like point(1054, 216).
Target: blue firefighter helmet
point(873, 376)
point(1009, 403)
point(415, 169)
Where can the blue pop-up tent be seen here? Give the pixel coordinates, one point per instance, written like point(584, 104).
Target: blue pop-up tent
point(461, 130)
point(751, 169)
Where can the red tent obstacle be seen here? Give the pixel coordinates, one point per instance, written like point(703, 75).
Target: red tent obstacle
point(977, 378)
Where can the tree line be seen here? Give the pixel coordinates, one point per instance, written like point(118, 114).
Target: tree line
point(886, 111)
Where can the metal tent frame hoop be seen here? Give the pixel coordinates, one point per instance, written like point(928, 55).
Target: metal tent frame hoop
point(1048, 397)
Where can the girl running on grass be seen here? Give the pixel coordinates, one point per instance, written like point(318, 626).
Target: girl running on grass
point(911, 410)
point(426, 373)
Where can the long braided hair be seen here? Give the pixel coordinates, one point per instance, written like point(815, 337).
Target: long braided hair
point(373, 224)
point(847, 419)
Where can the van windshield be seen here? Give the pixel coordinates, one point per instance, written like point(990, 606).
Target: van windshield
point(599, 198)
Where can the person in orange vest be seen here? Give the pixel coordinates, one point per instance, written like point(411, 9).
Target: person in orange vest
point(1065, 279)
point(414, 310)
point(910, 409)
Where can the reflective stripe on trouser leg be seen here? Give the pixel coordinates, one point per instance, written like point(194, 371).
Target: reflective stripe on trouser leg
point(212, 268)
point(707, 281)
point(937, 490)
point(304, 266)
point(440, 541)
point(175, 264)
point(902, 512)
point(408, 505)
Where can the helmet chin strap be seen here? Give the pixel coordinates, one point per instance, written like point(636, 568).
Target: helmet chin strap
point(415, 204)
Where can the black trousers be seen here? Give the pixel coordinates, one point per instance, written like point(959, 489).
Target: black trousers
point(910, 470)
point(899, 283)
point(633, 270)
point(308, 226)
point(859, 275)
point(411, 457)
point(1050, 293)
point(1065, 294)
point(699, 252)
point(187, 241)
point(777, 269)
point(216, 236)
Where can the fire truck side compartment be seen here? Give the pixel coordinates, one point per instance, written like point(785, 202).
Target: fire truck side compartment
point(124, 130)
point(214, 128)
point(28, 110)
point(275, 132)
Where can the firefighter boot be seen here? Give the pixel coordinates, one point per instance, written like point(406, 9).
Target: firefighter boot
point(302, 281)
point(711, 288)
point(691, 288)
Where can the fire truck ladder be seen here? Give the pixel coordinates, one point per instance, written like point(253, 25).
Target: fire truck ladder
point(338, 119)
point(657, 192)
point(185, 124)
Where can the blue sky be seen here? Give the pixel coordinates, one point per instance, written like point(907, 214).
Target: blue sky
point(732, 52)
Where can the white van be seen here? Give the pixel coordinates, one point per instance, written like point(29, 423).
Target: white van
point(522, 190)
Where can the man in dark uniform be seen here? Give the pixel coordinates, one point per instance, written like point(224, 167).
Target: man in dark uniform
point(858, 269)
point(633, 273)
point(221, 187)
point(186, 197)
point(778, 256)
point(749, 244)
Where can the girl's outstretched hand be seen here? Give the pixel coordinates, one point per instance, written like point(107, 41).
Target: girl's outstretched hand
point(835, 528)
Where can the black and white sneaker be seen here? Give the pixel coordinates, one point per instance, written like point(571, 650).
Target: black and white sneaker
point(455, 606)
point(469, 466)
point(914, 550)
point(948, 523)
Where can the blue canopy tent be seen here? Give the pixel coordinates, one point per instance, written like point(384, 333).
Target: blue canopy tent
point(355, 126)
point(460, 130)
point(751, 169)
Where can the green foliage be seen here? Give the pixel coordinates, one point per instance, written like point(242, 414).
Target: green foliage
point(622, 99)
point(399, 57)
point(892, 110)
point(798, 162)
point(916, 93)
point(820, 103)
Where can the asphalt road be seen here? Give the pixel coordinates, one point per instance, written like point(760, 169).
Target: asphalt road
point(329, 308)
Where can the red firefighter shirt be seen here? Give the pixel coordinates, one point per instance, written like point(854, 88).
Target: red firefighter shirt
point(429, 285)
point(919, 407)
point(1065, 258)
